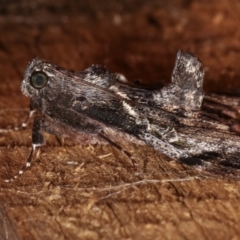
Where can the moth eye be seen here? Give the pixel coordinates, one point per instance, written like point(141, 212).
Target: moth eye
point(39, 80)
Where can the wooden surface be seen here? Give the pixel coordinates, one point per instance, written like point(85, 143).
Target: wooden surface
point(90, 192)
point(6, 229)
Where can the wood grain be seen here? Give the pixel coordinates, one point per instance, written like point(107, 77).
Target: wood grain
point(7, 231)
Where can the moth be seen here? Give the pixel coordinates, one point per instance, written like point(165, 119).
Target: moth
point(98, 106)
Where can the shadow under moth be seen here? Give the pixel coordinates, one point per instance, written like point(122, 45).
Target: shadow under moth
point(97, 106)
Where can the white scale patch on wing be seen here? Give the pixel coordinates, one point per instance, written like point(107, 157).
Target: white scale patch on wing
point(129, 109)
point(115, 89)
point(121, 78)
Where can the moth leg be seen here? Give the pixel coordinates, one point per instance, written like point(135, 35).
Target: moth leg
point(22, 125)
point(120, 148)
point(38, 140)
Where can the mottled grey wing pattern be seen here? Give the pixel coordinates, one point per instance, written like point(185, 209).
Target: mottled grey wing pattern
point(96, 105)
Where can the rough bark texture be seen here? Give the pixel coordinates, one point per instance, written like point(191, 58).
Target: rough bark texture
point(90, 192)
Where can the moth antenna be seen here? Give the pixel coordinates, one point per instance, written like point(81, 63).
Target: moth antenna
point(21, 126)
point(26, 166)
point(129, 155)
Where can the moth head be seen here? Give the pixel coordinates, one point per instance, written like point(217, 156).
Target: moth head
point(36, 78)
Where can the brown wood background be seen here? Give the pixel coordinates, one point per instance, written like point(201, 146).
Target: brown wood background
point(90, 192)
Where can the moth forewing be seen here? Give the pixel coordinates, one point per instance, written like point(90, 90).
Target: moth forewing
point(97, 106)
